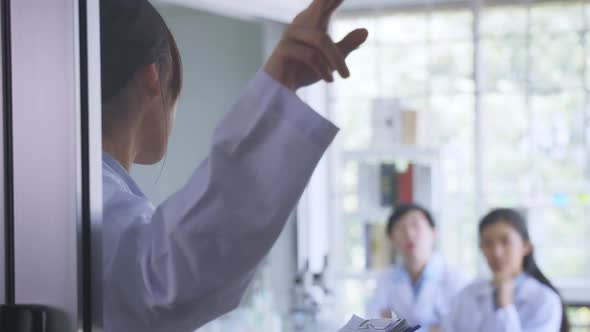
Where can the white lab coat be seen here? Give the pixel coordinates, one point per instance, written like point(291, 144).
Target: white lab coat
point(177, 266)
point(439, 284)
point(536, 308)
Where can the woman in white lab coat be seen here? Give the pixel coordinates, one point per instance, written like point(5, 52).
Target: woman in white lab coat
point(422, 286)
point(179, 265)
point(519, 298)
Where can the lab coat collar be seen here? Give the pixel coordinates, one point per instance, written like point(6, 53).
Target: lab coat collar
point(433, 269)
point(116, 168)
point(486, 289)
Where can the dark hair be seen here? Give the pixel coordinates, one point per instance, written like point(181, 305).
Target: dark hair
point(400, 211)
point(518, 222)
point(134, 35)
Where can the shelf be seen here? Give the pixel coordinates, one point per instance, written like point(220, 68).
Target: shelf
point(281, 11)
point(376, 216)
point(414, 154)
point(371, 274)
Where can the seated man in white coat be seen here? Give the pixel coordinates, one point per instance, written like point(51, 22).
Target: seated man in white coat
point(422, 286)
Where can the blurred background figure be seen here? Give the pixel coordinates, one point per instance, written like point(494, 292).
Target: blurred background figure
point(519, 297)
point(422, 286)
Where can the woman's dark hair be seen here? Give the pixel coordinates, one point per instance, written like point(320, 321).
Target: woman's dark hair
point(134, 35)
point(518, 222)
point(400, 211)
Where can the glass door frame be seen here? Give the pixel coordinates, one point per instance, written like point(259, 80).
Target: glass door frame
point(51, 233)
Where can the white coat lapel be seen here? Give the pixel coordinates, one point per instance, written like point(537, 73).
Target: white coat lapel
point(402, 299)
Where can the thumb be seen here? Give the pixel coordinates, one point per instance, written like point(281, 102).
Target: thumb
point(352, 41)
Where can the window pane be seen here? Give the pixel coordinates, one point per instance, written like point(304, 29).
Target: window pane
point(558, 62)
point(559, 154)
point(502, 194)
point(587, 49)
point(404, 71)
point(452, 119)
point(451, 126)
point(363, 79)
point(580, 318)
point(451, 25)
point(564, 223)
point(506, 158)
point(451, 67)
point(504, 21)
point(402, 28)
point(504, 65)
point(342, 25)
point(458, 231)
point(559, 262)
point(559, 230)
point(535, 148)
point(557, 17)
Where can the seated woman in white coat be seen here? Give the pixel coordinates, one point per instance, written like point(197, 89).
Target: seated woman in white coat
point(519, 298)
point(177, 266)
point(421, 287)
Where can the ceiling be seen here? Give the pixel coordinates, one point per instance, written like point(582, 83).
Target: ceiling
point(277, 10)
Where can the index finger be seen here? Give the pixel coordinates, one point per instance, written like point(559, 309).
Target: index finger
point(325, 7)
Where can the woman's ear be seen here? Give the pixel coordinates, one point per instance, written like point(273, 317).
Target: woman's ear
point(149, 80)
point(392, 240)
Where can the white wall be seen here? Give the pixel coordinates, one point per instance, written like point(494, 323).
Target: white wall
point(219, 56)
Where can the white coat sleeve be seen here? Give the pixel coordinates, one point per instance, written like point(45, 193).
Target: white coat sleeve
point(449, 320)
point(192, 260)
point(456, 283)
point(546, 317)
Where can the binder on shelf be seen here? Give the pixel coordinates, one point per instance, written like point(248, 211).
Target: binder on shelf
point(388, 184)
point(405, 186)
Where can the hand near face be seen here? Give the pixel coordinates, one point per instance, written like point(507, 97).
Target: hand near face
point(504, 284)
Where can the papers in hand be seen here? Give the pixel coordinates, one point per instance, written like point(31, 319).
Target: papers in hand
point(357, 324)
